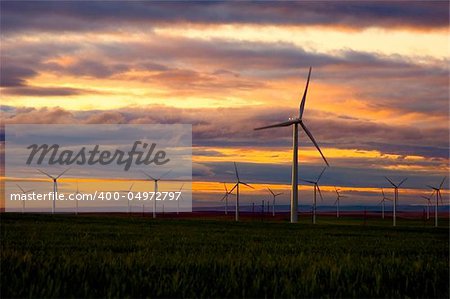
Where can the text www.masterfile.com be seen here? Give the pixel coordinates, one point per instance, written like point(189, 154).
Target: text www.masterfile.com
point(97, 195)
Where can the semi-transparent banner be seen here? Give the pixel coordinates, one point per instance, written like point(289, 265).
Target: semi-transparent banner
point(98, 168)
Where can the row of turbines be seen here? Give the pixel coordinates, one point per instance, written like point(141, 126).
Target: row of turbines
point(436, 190)
point(55, 178)
point(295, 122)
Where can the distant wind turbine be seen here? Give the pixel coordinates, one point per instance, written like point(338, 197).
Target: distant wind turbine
point(383, 202)
point(238, 182)
point(23, 201)
point(55, 185)
point(156, 180)
point(338, 200)
point(128, 200)
point(438, 196)
point(428, 199)
point(394, 221)
point(273, 199)
point(295, 122)
point(225, 197)
point(76, 201)
point(179, 198)
point(316, 188)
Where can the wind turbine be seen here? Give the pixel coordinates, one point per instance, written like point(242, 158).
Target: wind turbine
point(316, 188)
point(383, 202)
point(156, 180)
point(395, 198)
point(428, 199)
point(295, 122)
point(128, 200)
point(179, 198)
point(238, 182)
point(273, 201)
point(225, 196)
point(23, 201)
point(438, 195)
point(338, 200)
point(76, 201)
point(55, 185)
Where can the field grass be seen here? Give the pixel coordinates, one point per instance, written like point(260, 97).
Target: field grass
point(90, 256)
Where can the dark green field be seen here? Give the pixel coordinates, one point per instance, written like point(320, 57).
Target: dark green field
point(65, 256)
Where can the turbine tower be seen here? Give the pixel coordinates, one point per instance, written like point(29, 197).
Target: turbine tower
point(128, 200)
point(225, 196)
point(383, 202)
point(295, 122)
point(179, 198)
point(23, 201)
point(338, 200)
point(155, 180)
point(394, 220)
point(273, 200)
point(238, 182)
point(76, 201)
point(55, 185)
point(428, 199)
point(438, 196)
point(316, 188)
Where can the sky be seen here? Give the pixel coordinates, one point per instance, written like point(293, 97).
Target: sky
point(377, 102)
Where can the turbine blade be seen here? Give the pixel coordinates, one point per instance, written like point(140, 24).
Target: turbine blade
point(235, 169)
point(335, 202)
point(225, 196)
point(320, 192)
point(23, 191)
point(247, 185)
point(130, 187)
point(147, 175)
point(63, 173)
point(314, 141)
point(311, 182)
point(283, 124)
point(271, 191)
point(233, 188)
point(164, 174)
point(278, 194)
point(226, 189)
point(390, 182)
point(46, 174)
point(434, 188)
point(302, 104)
point(182, 185)
point(382, 191)
point(318, 179)
point(442, 183)
point(404, 180)
point(28, 191)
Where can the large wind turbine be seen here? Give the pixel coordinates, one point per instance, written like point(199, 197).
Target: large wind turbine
point(338, 200)
point(428, 199)
point(128, 200)
point(316, 188)
point(394, 221)
point(383, 202)
point(225, 196)
point(438, 195)
point(156, 180)
point(23, 201)
point(295, 122)
point(273, 200)
point(55, 185)
point(238, 182)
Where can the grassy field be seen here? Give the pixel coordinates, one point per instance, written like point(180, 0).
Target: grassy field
point(89, 256)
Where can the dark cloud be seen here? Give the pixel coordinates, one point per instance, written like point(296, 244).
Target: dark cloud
point(233, 127)
point(14, 75)
point(88, 16)
point(43, 91)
